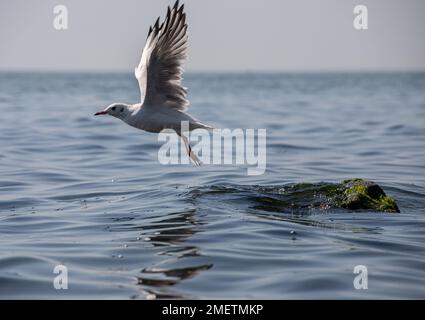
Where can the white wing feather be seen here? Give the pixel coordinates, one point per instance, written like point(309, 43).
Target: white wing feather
point(161, 66)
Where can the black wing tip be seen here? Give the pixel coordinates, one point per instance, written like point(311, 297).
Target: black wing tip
point(177, 6)
point(170, 12)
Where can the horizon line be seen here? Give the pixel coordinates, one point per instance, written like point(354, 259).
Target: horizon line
point(218, 71)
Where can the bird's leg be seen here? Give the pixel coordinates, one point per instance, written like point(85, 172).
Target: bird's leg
point(192, 156)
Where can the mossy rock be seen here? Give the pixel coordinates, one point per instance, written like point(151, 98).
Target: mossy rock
point(354, 194)
point(299, 198)
point(361, 194)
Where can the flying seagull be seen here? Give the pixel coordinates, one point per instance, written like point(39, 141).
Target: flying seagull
point(163, 100)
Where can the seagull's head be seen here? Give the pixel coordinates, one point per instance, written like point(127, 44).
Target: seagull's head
point(117, 110)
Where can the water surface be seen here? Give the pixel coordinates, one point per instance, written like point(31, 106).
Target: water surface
point(89, 192)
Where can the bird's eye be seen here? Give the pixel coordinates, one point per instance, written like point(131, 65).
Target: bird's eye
point(122, 109)
point(113, 108)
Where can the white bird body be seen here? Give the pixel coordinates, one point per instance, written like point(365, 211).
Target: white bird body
point(163, 100)
point(153, 119)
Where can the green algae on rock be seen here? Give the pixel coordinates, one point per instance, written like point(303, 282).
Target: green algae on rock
point(299, 198)
point(354, 194)
point(361, 194)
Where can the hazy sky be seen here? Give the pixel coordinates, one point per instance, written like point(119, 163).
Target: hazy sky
point(271, 35)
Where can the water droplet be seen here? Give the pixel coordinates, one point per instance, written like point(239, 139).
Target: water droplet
point(293, 232)
point(147, 239)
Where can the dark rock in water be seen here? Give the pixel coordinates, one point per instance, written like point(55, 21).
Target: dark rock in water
point(354, 194)
point(360, 194)
point(299, 198)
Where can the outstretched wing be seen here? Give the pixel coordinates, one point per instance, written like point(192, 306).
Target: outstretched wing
point(161, 66)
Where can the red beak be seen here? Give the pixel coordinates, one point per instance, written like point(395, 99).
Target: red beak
point(101, 113)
